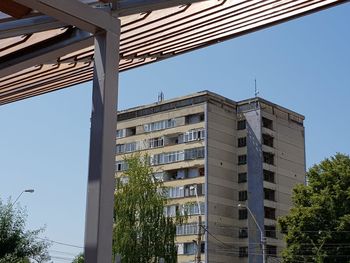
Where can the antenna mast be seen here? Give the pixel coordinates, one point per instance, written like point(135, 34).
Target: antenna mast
point(256, 92)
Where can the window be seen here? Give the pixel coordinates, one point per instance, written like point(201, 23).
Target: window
point(175, 192)
point(241, 125)
point(268, 158)
point(270, 231)
point(159, 125)
point(194, 118)
point(269, 194)
point(243, 232)
point(267, 123)
point(270, 212)
point(195, 153)
point(190, 190)
point(202, 247)
point(271, 250)
point(242, 214)
point(120, 148)
point(242, 195)
point(121, 166)
point(242, 177)
point(242, 142)
point(201, 171)
point(130, 147)
point(192, 209)
point(267, 140)
point(170, 157)
point(121, 133)
point(170, 211)
point(269, 176)
point(187, 229)
point(194, 135)
point(242, 159)
point(189, 248)
point(130, 131)
point(160, 176)
point(243, 252)
point(156, 142)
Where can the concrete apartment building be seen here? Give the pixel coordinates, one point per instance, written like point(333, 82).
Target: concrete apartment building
point(250, 152)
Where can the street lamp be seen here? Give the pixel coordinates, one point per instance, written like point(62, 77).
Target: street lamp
point(24, 191)
point(199, 232)
point(262, 234)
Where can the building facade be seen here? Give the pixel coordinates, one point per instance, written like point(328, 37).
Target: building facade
point(225, 153)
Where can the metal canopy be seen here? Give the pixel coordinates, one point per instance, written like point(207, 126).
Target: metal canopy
point(39, 54)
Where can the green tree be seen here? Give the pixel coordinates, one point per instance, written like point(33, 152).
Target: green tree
point(79, 258)
point(18, 245)
point(318, 226)
point(141, 232)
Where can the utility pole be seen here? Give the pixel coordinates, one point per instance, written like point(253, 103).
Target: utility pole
point(198, 242)
point(262, 234)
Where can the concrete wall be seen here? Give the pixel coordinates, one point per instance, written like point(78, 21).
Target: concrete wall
point(221, 183)
point(255, 184)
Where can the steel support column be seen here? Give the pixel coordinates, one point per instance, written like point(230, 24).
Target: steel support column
point(100, 192)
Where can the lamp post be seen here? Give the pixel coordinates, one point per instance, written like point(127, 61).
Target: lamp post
point(262, 234)
point(199, 232)
point(24, 191)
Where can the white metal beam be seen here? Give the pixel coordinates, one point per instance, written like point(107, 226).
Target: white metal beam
point(129, 7)
point(74, 12)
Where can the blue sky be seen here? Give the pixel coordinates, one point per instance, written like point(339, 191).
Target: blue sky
point(303, 65)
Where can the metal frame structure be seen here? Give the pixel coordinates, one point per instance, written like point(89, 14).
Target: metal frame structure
point(46, 45)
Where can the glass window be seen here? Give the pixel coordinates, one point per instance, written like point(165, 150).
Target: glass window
point(187, 229)
point(242, 177)
point(242, 159)
point(189, 248)
point(194, 118)
point(266, 123)
point(242, 195)
point(121, 166)
point(268, 158)
point(243, 232)
point(121, 133)
point(242, 142)
point(159, 125)
point(243, 252)
point(271, 250)
point(194, 135)
point(269, 176)
point(269, 194)
point(242, 214)
point(270, 212)
point(241, 125)
point(270, 231)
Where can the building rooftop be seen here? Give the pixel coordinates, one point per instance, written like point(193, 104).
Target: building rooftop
point(191, 99)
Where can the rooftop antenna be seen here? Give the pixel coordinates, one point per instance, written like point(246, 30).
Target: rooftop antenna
point(160, 96)
point(256, 92)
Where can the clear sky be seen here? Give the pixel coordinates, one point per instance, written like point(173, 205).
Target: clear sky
point(303, 65)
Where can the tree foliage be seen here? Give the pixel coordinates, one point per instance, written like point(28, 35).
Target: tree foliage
point(141, 232)
point(318, 226)
point(79, 258)
point(18, 245)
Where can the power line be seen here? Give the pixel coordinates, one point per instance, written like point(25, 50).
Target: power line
point(62, 258)
point(213, 236)
point(60, 243)
point(62, 252)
